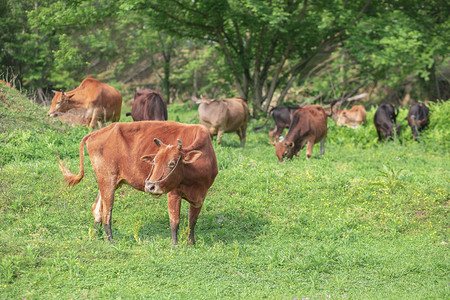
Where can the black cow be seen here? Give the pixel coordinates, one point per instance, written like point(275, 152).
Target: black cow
point(282, 116)
point(417, 118)
point(384, 120)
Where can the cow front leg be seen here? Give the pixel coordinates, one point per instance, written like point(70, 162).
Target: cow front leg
point(94, 118)
point(194, 211)
point(174, 205)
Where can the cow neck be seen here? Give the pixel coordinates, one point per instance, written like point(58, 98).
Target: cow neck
point(167, 176)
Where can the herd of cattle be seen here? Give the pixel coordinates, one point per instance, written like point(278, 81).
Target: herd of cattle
point(149, 155)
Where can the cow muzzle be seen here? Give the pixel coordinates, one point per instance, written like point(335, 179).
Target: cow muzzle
point(153, 188)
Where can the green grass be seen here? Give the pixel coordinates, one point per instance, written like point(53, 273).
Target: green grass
point(368, 220)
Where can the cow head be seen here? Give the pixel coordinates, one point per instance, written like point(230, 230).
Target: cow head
point(60, 104)
point(284, 149)
point(167, 167)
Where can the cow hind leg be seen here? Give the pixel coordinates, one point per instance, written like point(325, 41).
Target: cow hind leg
point(322, 147)
point(272, 134)
point(219, 137)
point(96, 211)
point(241, 134)
point(106, 206)
point(174, 205)
point(309, 149)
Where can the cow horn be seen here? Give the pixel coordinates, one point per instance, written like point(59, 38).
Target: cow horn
point(180, 143)
point(157, 142)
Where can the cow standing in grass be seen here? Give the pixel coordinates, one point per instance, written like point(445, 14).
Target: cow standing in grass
point(150, 157)
point(309, 126)
point(229, 115)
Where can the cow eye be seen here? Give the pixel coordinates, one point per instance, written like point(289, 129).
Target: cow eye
point(171, 164)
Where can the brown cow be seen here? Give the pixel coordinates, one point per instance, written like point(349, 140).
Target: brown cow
point(229, 115)
point(352, 117)
point(309, 125)
point(132, 153)
point(148, 105)
point(93, 100)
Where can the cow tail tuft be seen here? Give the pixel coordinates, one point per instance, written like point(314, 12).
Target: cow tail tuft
point(70, 178)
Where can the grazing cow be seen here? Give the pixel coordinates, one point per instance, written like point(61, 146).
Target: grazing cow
point(417, 118)
point(384, 120)
point(352, 117)
point(282, 115)
point(93, 100)
point(148, 105)
point(309, 125)
point(133, 153)
point(229, 115)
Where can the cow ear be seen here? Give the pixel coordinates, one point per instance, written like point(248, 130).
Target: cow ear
point(148, 159)
point(192, 156)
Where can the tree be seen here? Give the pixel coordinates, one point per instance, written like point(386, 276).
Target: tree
point(266, 44)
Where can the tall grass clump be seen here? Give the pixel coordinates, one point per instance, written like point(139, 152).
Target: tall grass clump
point(367, 220)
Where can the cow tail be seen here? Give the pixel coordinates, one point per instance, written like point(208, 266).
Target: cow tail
point(70, 178)
point(267, 119)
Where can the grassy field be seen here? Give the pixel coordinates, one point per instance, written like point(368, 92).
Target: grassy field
point(367, 220)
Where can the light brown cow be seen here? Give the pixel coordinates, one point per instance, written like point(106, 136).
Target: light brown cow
point(309, 125)
point(132, 153)
point(93, 100)
point(229, 115)
point(352, 117)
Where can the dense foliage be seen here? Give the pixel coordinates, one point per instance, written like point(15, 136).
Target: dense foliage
point(367, 220)
point(267, 51)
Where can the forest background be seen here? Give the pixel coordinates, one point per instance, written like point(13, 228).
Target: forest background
point(270, 52)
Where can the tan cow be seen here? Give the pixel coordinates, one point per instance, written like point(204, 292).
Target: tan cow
point(309, 125)
point(352, 117)
point(149, 156)
point(93, 100)
point(229, 115)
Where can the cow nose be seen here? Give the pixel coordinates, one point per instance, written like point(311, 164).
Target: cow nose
point(150, 187)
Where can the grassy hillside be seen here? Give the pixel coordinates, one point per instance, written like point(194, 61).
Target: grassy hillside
point(367, 220)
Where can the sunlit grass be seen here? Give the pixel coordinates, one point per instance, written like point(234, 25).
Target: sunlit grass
point(366, 220)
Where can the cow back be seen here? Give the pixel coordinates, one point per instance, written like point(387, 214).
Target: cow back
point(306, 121)
point(123, 144)
point(227, 115)
point(148, 105)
